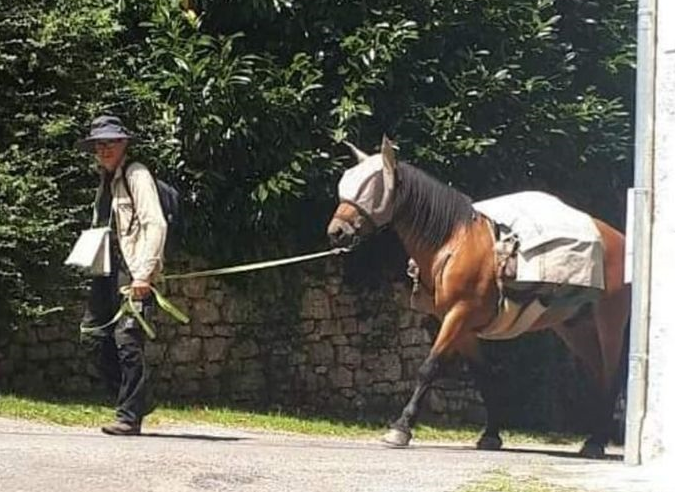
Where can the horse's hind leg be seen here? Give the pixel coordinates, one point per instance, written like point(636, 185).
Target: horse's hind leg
point(490, 386)
point(611, 318)
point(596, 337)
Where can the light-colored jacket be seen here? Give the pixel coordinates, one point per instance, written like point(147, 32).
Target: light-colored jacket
point(142, 243)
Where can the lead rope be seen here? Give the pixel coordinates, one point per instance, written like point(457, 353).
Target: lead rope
point(128, 307)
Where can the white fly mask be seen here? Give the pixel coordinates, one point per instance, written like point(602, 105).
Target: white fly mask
point(370, 185)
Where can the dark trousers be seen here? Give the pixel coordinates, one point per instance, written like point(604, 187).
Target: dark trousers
point(117, 351)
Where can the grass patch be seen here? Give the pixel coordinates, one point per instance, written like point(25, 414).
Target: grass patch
point(503, 482)
point(91, 414)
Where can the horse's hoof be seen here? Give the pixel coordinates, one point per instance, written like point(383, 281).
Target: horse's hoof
point(592, 450)
point(489, 443)
point(396, 437)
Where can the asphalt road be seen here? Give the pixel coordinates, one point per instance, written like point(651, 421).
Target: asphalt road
point(38, 457)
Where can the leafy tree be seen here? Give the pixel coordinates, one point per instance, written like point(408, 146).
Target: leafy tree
point(243, 105)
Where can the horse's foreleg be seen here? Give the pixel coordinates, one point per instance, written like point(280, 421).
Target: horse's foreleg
point(401, 430)
point(400, 433)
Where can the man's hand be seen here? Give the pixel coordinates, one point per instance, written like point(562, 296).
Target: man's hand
point(140, 289)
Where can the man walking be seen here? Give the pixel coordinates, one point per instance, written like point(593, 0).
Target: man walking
point(127, 200)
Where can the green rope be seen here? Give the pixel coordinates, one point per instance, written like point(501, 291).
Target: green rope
point(128, 308)
point(258, 266)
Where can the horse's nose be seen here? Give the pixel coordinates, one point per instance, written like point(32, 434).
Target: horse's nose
point(338, 233)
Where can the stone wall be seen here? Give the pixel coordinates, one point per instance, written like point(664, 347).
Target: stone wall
point(299, 339)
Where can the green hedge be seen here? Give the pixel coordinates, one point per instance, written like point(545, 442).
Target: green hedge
point(242, 104)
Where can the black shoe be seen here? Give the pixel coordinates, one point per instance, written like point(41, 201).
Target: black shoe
point(121, 429)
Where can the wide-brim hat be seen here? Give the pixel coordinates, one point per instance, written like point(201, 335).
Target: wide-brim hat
point(104, 128)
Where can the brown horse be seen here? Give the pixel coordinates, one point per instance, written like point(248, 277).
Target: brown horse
point(453, 246)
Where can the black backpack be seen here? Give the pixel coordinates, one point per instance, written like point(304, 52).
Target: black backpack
point(169, 200)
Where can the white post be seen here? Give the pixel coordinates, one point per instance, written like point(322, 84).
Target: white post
point(658, 436)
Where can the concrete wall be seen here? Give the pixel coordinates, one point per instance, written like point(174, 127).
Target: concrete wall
point(659, 430)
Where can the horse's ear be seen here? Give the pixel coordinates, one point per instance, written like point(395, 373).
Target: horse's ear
point(388, 154)
point(359, 154)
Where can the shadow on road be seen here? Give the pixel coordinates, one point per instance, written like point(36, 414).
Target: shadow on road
point(555, 453)
point(196, 437)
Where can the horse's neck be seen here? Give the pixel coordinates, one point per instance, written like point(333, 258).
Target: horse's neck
point(472, 241)
point(424, 256)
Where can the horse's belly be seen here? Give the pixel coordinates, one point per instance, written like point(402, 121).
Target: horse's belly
point(515, 319)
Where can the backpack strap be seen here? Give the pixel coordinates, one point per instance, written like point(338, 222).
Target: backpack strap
point(125, 182)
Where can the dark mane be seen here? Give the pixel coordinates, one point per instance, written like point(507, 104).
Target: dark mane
point(426, 208)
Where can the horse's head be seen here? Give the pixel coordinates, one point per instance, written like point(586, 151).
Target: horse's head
point(366, 193)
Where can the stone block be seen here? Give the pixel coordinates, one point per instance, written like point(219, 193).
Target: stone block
point(315, 304)
point(235, 311)
point(401, 294)
point(356, 340)
point(406, 319)
point(184, 372)
point(245, 349)
point(389, 368)
point(6, 369)
point(345, 305)
point(185, 388)
point(224, 330)
point(215, 349)
point(32, 381)
point(365, 326)
point(216, 296)
point(37, 353)
point(165, 371)
point(418, 353)
point(77, 385)
point(371, 361)
point(333, 286)
point(61, 350)
point(414, 336)
point(202, 330)
point(404, 388)
point(213, 370)
point(350, 326)
point(321, 353)
point(312, 337)
point(348, 356)
point(154, 352)
point(184, 330)
point(297, 358)
point(248, 382)
point(348, 393)
point(339, 340)
point(437, 402)
point(210, 387)
point(281, 348)
point(185, 350)
point(362, 379)
point(474, 413)
point(26, 336)
point(194, 288)
point(328, 327)
point(307, 326)
point(383, 388)
point(341, 377)
point(48, 333)
point(206, 312)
